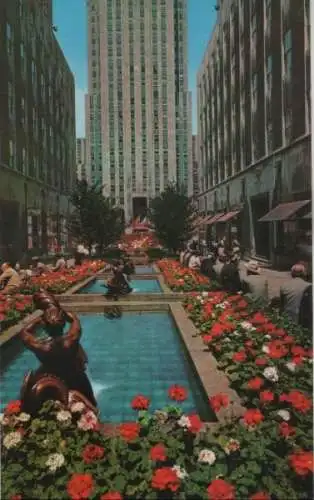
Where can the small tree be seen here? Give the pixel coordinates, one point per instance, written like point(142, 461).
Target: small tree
point(94, 220)
point(172, 215)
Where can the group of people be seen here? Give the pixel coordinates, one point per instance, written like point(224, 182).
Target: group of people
point(119, 283)
point(223, 267)
point(12, 277)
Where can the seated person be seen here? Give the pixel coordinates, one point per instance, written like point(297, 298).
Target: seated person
point(230, 276)
point(39, 267)
point(194, 261)
point(207, 267)
point(254, 285)
point(61, 354)
point(10, 280)
point(222, 259)
point(292, 292)
point(306, 309)
point(60, 264)
point(186, 257)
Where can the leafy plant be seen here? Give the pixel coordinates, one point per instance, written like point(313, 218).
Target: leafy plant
point(172, 215)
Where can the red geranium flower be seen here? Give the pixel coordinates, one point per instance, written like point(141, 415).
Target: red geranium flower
point(158, 453)
point(16, 497)
point(286, 430)
point(239, 356)
point(253, 417)
point(219, 401)
point(207, 339)
point(277, 349)
point(111, 495)
point(220, 490)
point(302, 462)
point(92, 452)
point(177, 393)
point(165, 479)
point(259, 319)
point(255, 383)
point(13, 407)
point(80, 486)
point(129, 431)
point(298, 400)
point(140, 402)
point(261, 362)
point(266, 397)
point(196, 423)
point(260, 495)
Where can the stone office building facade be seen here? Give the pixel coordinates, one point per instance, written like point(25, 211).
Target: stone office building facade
point(254, 123)
point(37, 131)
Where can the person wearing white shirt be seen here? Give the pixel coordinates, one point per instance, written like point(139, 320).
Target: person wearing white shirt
point(194, 262)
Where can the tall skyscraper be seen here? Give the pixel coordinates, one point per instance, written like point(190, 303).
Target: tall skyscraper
point(37, 131)
point(137, 102)
point(81, 173)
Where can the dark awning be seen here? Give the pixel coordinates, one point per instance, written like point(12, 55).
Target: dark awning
point(228, 216)
point(284, 211)
point(214, 219)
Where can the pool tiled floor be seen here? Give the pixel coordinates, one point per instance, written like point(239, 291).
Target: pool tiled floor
point(139, 286)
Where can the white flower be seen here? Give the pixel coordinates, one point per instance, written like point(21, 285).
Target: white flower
point(23, 417)
point(4, 419)
point(246, 325)
point(181, 473)
point(12, 439)
point(265, 349)
point(267, 337)
point(284, 414)
point(291, 366)
point(199, 298)
point(205, 294)
point(232, 445)
point(63, 416)
point(271, 374)
point(88, 421)
point(55, 461)
point(184, 421)
point(207, 457)
point(77, 407)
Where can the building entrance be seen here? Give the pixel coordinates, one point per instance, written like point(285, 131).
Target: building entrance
point(139, 207)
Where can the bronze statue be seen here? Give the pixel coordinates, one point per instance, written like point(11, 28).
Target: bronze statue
point(63, 360)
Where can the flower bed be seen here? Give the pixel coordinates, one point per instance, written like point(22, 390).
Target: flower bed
point(165, 455)
point(60, 281)
point(13, 309)
point(269, 364)
point(182, 279)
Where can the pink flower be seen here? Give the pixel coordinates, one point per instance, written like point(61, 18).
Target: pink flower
point(88, 421)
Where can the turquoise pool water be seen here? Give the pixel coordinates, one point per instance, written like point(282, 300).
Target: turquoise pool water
point(144, 270)
point(139, 353)
point(139, 286)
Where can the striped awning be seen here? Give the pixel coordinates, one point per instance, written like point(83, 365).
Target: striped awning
point(284, 211)
point(228, 216)
point(214, 219)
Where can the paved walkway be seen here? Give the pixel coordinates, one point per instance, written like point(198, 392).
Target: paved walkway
point(275, 278)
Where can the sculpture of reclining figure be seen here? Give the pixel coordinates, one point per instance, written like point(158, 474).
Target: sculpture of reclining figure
point(61, 355)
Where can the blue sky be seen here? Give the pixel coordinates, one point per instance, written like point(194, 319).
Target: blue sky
point(70, 18)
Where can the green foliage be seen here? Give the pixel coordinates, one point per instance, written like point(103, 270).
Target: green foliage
point(172, 215)
point(94, 219)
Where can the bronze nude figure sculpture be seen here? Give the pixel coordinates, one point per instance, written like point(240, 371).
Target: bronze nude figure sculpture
point(61, 356)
